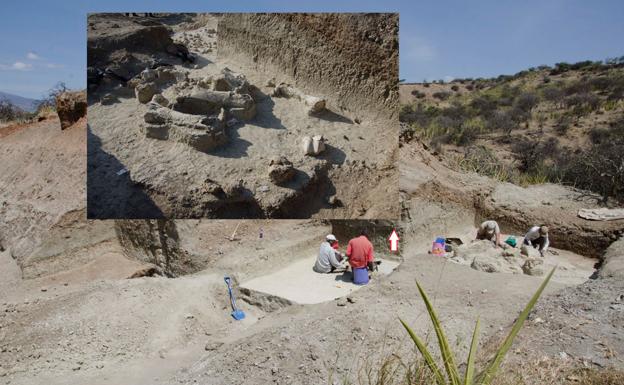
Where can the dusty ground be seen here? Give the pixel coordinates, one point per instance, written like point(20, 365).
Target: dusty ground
point(169, 179)
point(69, 313)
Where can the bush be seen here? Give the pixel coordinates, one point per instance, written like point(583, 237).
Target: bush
point(563, 124)
point(532, 155)
point(455, 87)
point(470, 87)
point(582, 104)
point(418, 94)
point(613, 134)
point(442, 95)
point(527, 101)
point(484, 105)
point(500, 120)
point(599, 169)
point(9, 112)
point(553, 94)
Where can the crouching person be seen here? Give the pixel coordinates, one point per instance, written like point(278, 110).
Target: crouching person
point(329, 259)
point(537, 236)
point(490, 231)
point(360, 254)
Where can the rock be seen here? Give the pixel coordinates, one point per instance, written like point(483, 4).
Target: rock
point(318, 144)
point(148, 75)
point(529, 251)
point(206, 102)
point(332, 200)
point(613, 261)
point(313, 104)
point(533, 266)
point(108, 99)
point(236, 191)
point(160, 99)
point(263, 188)
point(210, 346)
point(270, 83)
point(203, 133)
point(70, 107)
point(145, 91)
point(205, 82)
point(229, 80)
point(486, 263)
point(281, 170)
point(306, 145)
point(313, 145)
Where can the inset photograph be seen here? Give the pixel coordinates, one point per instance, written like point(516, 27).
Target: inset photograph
point(243, 116)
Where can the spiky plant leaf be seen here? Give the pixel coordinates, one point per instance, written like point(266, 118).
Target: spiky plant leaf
point(468, 378)
point(426, 355)
point(445, 350)
point(488, 374)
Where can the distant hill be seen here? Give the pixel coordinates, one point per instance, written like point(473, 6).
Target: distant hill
point(26, 104)
point(562, 124)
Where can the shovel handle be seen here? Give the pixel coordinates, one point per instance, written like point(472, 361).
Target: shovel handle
point(228, 282)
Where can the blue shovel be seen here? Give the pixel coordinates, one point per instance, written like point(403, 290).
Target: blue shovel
point(236, 314)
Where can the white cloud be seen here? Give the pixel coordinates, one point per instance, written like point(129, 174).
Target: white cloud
point(17, 66)
point(417, 49)
point(448, 78)
point(32, 56)
point(55, 66)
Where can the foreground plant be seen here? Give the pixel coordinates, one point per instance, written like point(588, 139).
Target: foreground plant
point(452, 373)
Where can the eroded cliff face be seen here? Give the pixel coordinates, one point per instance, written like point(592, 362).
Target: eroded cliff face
point(350, 59)
point(157, 242)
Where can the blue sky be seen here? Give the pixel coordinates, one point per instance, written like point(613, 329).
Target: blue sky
point(43, 42)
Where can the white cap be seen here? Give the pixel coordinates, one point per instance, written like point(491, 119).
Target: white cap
point(330, 237)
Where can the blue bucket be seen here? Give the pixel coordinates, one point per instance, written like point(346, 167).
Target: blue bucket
point(360, 276)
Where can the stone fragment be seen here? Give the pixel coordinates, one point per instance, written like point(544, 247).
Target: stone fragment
point(281, 170)
point(313, 145)
point(533, 266)
point(201, 132)
point(160, 100)
point(145, 91)
point(208, 102)
point(108, 99)
point(313, 104)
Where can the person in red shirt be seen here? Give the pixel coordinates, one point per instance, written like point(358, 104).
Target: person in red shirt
point(360, 251)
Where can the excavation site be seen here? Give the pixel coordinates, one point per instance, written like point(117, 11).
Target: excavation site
point(242, 116)
point(147, 300)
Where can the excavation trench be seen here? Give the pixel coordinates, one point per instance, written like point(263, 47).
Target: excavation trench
point(427, 220)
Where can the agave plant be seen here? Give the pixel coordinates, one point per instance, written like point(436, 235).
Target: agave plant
point(452, 373)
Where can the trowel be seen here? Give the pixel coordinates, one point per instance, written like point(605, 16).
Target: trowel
point(236, 313)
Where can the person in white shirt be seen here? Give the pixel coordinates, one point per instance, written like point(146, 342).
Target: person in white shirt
point(537, 236)
point(328, 259)
point(490, 231)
